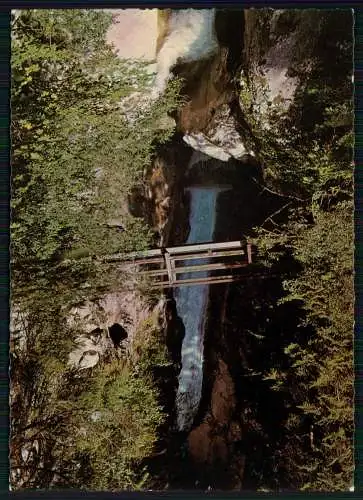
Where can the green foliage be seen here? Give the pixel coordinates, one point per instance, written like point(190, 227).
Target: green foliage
point(115, 425)
point(306, 150)
point(76, 155)
point(308, 168)
point(323, 368)
point(149, 347)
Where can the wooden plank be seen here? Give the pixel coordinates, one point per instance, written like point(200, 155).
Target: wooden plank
point(139, 262)
point(198, 281)
point(169, 267)
point(249, 253)
point(208, 267)
point(236, 277)
point(207, 280)
point(185, 249)
point(196, 269)
point(172, 265)
point(160, 260)
point(208, 255)
point(155, 272)
point(204, 246)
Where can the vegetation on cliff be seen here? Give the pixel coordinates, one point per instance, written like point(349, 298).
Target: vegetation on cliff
point(76, 156)
point(306, 150)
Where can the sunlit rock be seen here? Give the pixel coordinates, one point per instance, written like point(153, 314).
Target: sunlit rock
point(221, 140)
point(199, 142)
point(87, 353)
point(133, 33)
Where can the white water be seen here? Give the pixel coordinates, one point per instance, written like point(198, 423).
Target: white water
point(191, 38)
point(191, 302)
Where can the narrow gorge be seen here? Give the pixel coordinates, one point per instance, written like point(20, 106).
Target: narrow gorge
point(228, 422)
point(182, 249)
point(214, 195)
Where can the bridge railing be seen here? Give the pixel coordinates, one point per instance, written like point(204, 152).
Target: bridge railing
point(170, 256)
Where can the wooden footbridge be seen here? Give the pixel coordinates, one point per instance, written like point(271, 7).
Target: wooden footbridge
point(179, 266)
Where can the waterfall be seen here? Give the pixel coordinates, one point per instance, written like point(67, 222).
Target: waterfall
point(191, 38)
point(191, 302)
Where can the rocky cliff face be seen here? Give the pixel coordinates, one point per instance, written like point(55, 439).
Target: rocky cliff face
point(161, 200)
point(207, 138)
point(210, 81)
point(107, 326)
point(270, 55)
point(203, 48)
point(283, 52)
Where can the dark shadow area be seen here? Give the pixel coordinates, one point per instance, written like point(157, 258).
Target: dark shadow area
point(250, 337)
point(248, 329)
point(229, 25)
point(239, 210)
point(165, 179)
point(96, 331)
point(175, 332)
point(117, 334)
point(251, 341)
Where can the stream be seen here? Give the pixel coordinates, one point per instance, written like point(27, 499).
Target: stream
point(191, 303)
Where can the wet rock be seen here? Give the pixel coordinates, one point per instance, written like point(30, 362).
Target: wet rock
point(187, 35)
point(207, 67)
point(209, 80)
point(163, 201)
point(199, 443)
point(223, 400)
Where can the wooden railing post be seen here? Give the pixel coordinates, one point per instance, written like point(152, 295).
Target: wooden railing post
point(170, 267)
point(249, 253)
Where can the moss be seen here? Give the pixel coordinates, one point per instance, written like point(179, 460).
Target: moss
point(149, 349)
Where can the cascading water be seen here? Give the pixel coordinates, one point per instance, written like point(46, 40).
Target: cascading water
point(191, 302)
point(191, 37)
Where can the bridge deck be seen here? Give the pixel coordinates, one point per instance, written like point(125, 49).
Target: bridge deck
point(169, 257)
point(185, 249)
